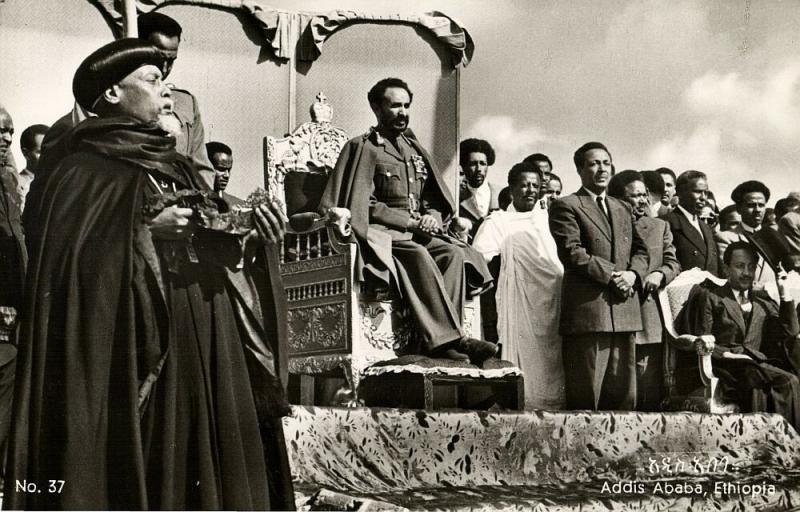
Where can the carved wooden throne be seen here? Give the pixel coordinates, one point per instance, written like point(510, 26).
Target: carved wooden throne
point(336, 324)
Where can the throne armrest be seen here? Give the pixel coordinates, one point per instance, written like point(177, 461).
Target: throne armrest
point(704, 346)
point(338, 219)
point(460, 228)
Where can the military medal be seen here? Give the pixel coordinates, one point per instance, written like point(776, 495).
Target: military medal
point(419, 166)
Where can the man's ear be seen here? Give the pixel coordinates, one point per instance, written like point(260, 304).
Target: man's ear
point(111, 95)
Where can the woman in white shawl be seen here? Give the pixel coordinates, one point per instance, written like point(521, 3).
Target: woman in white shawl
point(528, 288)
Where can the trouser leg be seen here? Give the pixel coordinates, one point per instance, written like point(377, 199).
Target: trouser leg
point(427, 295)
point(784, 393)
point(449, 260)
point(599, 371)
point(579, 353)
point(618, 391)
point(648, 376)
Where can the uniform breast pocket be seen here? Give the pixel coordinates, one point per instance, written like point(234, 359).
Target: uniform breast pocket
point(389, 182)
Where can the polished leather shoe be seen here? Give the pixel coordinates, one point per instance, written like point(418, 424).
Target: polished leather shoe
point(448, 351)
point(477, 350)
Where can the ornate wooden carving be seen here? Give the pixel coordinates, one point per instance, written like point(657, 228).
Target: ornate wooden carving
point(318, 329)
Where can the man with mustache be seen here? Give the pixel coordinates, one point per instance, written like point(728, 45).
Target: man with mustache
point(663, 266)
point(476, 156)
point(138, 386)
point(755, 353)
point(750, 199)
point(399, 204)
point(694, 240)
point(604, 259)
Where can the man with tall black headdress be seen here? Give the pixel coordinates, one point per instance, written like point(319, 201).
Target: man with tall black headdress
point(138, 385)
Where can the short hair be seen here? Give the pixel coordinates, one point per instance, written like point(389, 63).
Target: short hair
point(108, 65)
point(577, 158)
point(375, 95)
point(539, 157)
point(156, 23)
point(504, 198)
point(654, 182)
point(618, 182)
point(738, 245)
point(786, 205)
point(28, 138)
point(475, 146)
point(731, 208)
point(667, 170)
point(214, 147)
point(521, 168)
point(747, 187)
point(687, 177)
point(554, 176)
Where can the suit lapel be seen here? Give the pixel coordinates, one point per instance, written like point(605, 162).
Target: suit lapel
point(594, 213)
point(692, 234)
point(734, 309)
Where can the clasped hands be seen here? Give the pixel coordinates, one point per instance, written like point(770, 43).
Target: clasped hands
point(622, 282)
point(426, 224)
point(176, 223)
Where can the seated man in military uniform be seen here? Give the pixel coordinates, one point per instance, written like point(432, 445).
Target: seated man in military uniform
point(399, 205)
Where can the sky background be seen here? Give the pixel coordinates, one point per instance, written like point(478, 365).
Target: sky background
point(707, 85)
point(710, 85)
point(700, 85)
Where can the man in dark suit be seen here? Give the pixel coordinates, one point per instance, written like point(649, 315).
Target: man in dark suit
point(755, 354)
point(479, 197)
point(750, 199)
point(663, 266)
point(603, 260)
point(693, 239)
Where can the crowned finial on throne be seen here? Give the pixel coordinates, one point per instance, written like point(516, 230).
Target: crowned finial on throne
point(321, 111)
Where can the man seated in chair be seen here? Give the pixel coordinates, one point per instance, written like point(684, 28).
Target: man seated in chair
point(755, 355)
point(399, 203)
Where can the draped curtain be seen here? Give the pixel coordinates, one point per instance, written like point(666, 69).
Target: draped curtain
point(304, 32)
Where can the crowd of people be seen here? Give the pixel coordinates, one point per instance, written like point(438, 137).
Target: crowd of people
point(141, 351)
point(577, 276)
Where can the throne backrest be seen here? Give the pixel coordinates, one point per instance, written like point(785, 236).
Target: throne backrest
point(297, 166)
point(672, 298)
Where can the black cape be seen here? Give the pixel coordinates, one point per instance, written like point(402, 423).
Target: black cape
point(135, 385)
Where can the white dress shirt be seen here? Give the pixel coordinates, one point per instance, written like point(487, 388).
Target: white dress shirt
point(481, 198)
point(693, 219)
